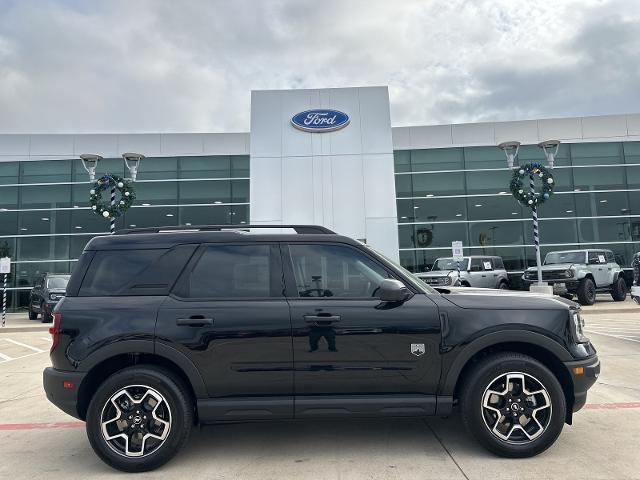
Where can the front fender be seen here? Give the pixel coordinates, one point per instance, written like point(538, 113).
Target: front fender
point(450, 378)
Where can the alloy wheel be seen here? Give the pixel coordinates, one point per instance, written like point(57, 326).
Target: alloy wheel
point(135, 421)
point(516, 407)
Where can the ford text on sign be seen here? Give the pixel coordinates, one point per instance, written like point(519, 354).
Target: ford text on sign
point(320, 120)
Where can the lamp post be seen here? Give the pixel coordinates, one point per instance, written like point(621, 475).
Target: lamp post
point(550, 149)
point(131, 161)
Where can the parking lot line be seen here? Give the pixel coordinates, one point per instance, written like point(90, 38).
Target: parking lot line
point(612, 336)
point(6, 358)
point(20, 344)
point(46, 339)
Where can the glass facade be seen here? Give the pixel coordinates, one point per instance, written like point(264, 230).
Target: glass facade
point(463, 194)
point(45, 220)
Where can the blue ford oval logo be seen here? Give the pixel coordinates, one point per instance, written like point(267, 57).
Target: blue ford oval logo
point(320, 120)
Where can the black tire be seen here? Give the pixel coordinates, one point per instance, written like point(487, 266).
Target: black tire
point(46, 316)
point(568, 296)
point(180, 417)
point(619, 290)
point(464, 284)
point(503, 285)
point(476, 417)
point(586, 292)
point(32, 315)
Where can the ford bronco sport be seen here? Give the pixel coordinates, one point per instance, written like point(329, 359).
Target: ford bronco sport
point(583, 273)
point(163, 329)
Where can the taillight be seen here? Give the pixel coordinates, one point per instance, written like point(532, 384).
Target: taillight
point(54, 330)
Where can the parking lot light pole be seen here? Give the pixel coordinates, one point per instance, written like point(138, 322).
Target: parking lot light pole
point(132, 161)
point(90, 162)
point(550, 149)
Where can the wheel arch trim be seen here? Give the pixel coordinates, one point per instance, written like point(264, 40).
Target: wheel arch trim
point(496, 338)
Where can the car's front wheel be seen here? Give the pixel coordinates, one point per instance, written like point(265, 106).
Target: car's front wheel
point(139, 418)
point(586, 292)
point(32, 315)
point(513, 405)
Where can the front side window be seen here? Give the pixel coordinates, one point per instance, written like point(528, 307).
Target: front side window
point(232, 271)
point(476, 265)
point(335, 271)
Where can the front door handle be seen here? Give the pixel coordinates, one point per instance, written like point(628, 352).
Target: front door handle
point(194, 321)
point(322, 320)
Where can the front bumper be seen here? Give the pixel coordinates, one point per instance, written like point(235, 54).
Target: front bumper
point(63, 397)
point(583, 382)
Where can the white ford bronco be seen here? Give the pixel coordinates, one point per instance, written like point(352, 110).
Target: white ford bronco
point(583, 273)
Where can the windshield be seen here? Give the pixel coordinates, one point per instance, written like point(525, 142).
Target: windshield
point(416, 281)
point(57, 282)
point(449, 264)
point(564, 257)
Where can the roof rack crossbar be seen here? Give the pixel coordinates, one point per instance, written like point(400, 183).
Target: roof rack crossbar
point(299, 229)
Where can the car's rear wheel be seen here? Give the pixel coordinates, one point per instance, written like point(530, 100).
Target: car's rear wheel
point(586, 292)
point(619, 290)
point(139, 418)
point(503, 286)
point(32, 315)
point(46, 316)
point(513, 405)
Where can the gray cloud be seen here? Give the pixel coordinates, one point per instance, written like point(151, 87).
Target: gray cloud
point(162, 65)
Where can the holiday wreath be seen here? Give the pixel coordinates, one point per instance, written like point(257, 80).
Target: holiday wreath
point(103, 207)
point(523, 193)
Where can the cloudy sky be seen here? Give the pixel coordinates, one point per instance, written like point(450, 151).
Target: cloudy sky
point(189, 66)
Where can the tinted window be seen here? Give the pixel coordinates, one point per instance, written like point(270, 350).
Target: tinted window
point(609, 256)
point(335, 271)
point(476, 265)
point(112, 271)
point(232, 271)
point(596, 257)
point(498, 264)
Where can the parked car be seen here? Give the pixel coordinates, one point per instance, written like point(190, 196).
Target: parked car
point(475, 271)
point(163, 329)
point(45, 295)
point(635, 289)
point(583, 273)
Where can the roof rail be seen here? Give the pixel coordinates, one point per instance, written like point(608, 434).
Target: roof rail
point(299, 229)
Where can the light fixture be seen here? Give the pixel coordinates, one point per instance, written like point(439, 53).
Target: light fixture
point(132, 226)
point(132, 161)
point(24, 229)
point(514, 213)
point(510, 149)
point(78, 227)
point(458, 214)
point(576, 189)
point(3, 209)
point(218, 202)
point(550, 149)
point(403, 218)
point(502, 193)
point(146, 204)
point(478, 205)
point(604, 201)
point(429, 195)
point(45, 219)
point(569, 211)
point(169, 215)
point(188, 224)
point(416, 207)
point(90, 162)
point(76, 206)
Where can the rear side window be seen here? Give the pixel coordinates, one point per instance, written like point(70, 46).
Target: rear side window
point(135, 272)
point(111, 271)
point(498, 264)
point(609, 256)
point(234, 271)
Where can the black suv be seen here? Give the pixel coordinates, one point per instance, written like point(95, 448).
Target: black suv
point(45, 295)
point(162, 329)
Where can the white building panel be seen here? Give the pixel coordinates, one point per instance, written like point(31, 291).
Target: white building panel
point(604, 126)
point(375, 119)
point(147, 144)
point(560, 129)
point(348, 195)
point(348, 140)
point(100, 144)
point(401, 138)
point(14, 144)
point(473, 134)
point(48, 145)
point(377, 194)
point(266, 124)
point(427, 137)
point(226, 143)
point(265, 189)
point(633, 124)
point(182, 144)
point(297, 196)
point(525, 131)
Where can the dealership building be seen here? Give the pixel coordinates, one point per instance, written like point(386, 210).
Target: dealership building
point(331, 157)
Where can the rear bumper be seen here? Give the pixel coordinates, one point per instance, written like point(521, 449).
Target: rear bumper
point(583, 382)
point(66, 399)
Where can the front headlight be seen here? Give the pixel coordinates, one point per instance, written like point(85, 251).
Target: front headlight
point(578, 328)
point(569, 273)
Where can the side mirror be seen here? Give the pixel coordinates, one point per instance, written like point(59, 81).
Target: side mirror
point(393, 291)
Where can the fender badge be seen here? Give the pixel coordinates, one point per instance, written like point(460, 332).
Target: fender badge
point(417, 349)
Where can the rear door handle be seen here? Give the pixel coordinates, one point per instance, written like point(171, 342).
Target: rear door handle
point(321, 319)
point(194, 321)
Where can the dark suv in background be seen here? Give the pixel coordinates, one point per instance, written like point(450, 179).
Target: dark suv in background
point(45, 295)
point(162, 329)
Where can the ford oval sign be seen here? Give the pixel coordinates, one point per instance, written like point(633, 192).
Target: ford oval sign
point(320, 120)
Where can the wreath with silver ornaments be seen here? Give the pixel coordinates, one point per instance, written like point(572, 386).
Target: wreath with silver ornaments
point(102, 206)
point(523, 192)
